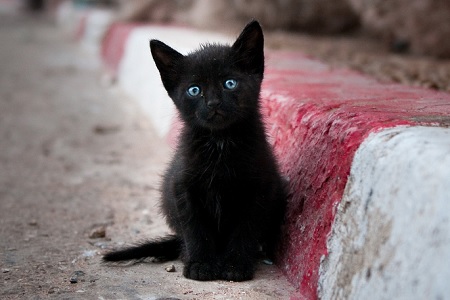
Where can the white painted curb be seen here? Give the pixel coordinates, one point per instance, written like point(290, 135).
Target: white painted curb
point(93, 22)
point(97, 23)
point(391, 235)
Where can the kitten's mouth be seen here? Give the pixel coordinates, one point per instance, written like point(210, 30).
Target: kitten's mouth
point(216, 113)
point(214, 119)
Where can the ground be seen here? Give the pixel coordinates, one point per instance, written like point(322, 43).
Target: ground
point(80, 168)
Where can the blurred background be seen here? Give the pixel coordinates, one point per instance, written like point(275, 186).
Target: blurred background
point(403, 41)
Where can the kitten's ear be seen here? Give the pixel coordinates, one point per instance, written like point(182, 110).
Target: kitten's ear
point(167, 61)
point(249, 48)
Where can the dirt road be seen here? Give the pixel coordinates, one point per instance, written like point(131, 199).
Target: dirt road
point(79, 173)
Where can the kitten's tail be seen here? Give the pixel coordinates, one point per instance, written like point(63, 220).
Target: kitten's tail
point(166, 248)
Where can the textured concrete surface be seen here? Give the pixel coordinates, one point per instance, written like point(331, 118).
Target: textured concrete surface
point(391, 236)
point(318, 117)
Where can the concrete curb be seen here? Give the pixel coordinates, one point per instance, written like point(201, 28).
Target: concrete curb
point(86, 25)
point(391, 238)
point(317, 119)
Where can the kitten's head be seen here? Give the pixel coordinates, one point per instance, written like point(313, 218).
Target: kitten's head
point(217, 85)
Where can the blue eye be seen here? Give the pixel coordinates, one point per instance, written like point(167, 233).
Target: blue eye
point(230, 84)
point(194, 91)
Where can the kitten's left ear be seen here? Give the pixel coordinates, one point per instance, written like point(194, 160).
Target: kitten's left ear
point(167, 61)
point(249, 48)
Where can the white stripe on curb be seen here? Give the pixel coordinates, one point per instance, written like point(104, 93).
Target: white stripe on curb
point(391, 236)
point(92, 24)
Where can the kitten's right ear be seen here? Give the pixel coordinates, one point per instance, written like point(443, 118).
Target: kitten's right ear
point(167, 61)
point(249, 48)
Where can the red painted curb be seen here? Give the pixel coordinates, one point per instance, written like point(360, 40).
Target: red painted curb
point(81, 27)
point(113, 45)
point(317, 118)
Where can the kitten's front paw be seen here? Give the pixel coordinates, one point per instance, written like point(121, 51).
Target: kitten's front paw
point(238, 272)
point(202, 271)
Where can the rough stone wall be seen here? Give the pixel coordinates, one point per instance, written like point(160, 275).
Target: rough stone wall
point(321, 16)
point(420, 26)
point(417, 26)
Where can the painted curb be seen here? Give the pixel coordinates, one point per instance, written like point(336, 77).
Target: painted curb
point(383, 248)
point(86, 25)
point(317, 119)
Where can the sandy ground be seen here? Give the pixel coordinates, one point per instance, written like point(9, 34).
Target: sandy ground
point(79, 173)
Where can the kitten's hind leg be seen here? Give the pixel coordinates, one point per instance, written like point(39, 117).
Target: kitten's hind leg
point(239, 261)
point(199, 254)
point(202, 271)
point(238, 270)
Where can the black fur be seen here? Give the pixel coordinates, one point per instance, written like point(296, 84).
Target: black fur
point(222, 194)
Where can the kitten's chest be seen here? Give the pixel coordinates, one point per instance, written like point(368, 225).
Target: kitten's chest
point(215, 169)
point(218, 179)
point(221, 177)
point(218, 161)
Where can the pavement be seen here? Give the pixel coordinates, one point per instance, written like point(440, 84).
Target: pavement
point(80, 167)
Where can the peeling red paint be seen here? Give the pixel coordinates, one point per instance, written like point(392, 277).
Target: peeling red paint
point(317, 118)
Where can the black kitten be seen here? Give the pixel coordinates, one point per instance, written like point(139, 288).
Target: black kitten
point(222, 194)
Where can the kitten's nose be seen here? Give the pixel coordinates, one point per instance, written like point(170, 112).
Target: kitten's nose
point(212, 104)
